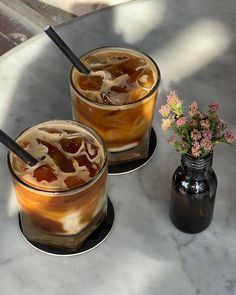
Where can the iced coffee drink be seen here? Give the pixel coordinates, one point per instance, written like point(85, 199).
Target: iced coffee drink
point(117, 99)
point(63, 198)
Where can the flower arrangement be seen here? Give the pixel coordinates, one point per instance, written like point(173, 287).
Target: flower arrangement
point(197, 133)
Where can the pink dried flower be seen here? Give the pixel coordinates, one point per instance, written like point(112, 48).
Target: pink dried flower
point(196, 149)
point(166, 123)
point(229, 137)
point(181, 121)
point(213, 106)
point(206, 144)
point(165, 110)
point(195, 135)
point(184, 146)
point(215, 117)
point(207, 134)
point(175, 103)
point(201, 115)
point(193, 109)
point(222, 126)
point(205, 124)
point(192, 122)
point(172, 98)
point(171, 140)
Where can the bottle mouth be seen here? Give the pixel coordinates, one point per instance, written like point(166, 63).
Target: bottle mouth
point(196, 163)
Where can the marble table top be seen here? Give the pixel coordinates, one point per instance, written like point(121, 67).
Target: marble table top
point(194, 44)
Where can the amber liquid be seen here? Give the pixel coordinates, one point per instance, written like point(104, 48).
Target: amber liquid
point(71, 160)
point(115, 107)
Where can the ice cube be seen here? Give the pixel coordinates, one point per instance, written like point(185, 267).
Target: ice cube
point(65, 165)
point(146, 80)
point(105, 98)
point(74, 182)
point(90, 82)
point(133, 77)
point(138, 94)
point(44, 172)
point(71, 145)
point(91, 150)
point(84, 161)
point(120, 89)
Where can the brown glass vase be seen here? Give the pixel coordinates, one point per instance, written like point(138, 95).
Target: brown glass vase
point(193, 191)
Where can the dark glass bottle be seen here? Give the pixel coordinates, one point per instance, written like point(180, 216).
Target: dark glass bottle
point(193, 193)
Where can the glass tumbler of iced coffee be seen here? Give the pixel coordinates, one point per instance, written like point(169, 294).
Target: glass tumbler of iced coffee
point(63, 198)
point(117, 99)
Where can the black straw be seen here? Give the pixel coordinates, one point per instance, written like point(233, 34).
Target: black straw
point(66, 50)
point(17, 149)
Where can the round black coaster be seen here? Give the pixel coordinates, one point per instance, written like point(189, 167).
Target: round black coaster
point(95, 239)
point(127, 167)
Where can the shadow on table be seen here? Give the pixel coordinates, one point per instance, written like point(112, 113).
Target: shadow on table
point(192, 44)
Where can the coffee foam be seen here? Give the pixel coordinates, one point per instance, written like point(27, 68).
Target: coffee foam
point(63, 131)
point(99, 63)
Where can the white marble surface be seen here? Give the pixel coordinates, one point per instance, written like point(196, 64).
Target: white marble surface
point(194, 44)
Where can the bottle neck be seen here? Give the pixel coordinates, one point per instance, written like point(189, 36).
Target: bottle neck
point(196, 165)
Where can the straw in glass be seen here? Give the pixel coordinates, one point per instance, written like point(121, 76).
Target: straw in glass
point(66, 50)
point(17, 149)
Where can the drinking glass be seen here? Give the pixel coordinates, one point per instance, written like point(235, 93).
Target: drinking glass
point(125, 128)
point(64, 214)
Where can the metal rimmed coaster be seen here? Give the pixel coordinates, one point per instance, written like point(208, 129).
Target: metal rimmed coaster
point(127, 167)
point(95, 239)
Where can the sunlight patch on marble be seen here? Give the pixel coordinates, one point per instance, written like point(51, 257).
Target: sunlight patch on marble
point(13, 66)
point(200, 44)
point(133, 33)
point(12, 204)
point(8, 87)
point(153, 273)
